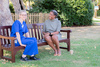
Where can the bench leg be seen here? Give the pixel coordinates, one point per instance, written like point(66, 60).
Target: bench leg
point(1, 53)
point(13, 56)
point(68, 45)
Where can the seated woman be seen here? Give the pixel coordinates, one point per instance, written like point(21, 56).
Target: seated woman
point(19, 28)
point(51, 32)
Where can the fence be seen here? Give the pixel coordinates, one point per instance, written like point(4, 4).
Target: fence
point(33, 17)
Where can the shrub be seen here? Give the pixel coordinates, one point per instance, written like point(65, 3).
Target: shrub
point(98, 13)
point(71, 12)
point(11, 8)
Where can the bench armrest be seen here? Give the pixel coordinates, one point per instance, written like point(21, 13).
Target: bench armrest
point(9, 38)
point(65, 31)
point(5, 37)
point(68, 33)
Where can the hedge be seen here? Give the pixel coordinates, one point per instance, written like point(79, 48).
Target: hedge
point(71, 12)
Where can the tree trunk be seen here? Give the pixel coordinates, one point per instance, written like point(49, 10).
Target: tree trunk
point(18, 5)
point(5, 14)
point(22, 5)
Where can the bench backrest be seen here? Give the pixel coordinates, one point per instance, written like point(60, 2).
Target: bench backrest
point(35, 30)
point(5, 31)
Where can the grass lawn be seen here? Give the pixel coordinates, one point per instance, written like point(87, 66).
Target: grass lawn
point(85, 42)
point(96, 21)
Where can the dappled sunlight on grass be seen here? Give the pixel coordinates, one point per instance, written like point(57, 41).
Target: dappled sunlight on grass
point(48, 48)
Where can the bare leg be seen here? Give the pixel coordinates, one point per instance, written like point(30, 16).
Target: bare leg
point(49, 41)
point(56, 42)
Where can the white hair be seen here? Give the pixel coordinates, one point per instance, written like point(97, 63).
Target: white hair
point(22, 11)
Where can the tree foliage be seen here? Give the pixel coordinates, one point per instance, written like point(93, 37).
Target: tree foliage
point(11, 8)
point(71, 12)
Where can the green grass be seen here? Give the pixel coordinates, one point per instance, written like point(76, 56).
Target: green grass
point(86, 47)
point(95, 21)
point(98, 17)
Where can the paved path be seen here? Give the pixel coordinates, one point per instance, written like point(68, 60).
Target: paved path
point(96, 19)
point(96, 23)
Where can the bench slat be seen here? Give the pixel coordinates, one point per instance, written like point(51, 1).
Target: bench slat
point(35, 31)
point(41, 30)
point(38, 32)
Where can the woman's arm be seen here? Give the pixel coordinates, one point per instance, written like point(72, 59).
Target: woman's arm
point(44, 33)
point(44, 30)
point(19, 40)
point(55, 33)
point(27, 34)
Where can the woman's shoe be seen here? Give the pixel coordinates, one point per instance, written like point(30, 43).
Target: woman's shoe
point(24, 59)
point(34, 58)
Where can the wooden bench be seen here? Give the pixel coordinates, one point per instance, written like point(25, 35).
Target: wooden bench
point(35, 30)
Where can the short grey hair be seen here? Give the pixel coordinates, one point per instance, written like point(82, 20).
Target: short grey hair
point(22, 11)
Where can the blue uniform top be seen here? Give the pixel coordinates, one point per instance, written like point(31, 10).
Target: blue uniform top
point(31, 43)
point(18, 27)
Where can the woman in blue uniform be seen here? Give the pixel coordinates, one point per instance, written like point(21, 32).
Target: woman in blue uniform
point(19, 28)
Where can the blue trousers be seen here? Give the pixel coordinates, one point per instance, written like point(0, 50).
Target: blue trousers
point(31, 46)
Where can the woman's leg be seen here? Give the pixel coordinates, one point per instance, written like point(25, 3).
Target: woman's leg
point(30, 49)
point(49, 41)
point(56, 42)
point(31, 46)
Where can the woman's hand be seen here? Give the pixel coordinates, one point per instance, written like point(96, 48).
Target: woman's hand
point(47, 34)
point(23, 45)
point(27, 34)
point(19, 40)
